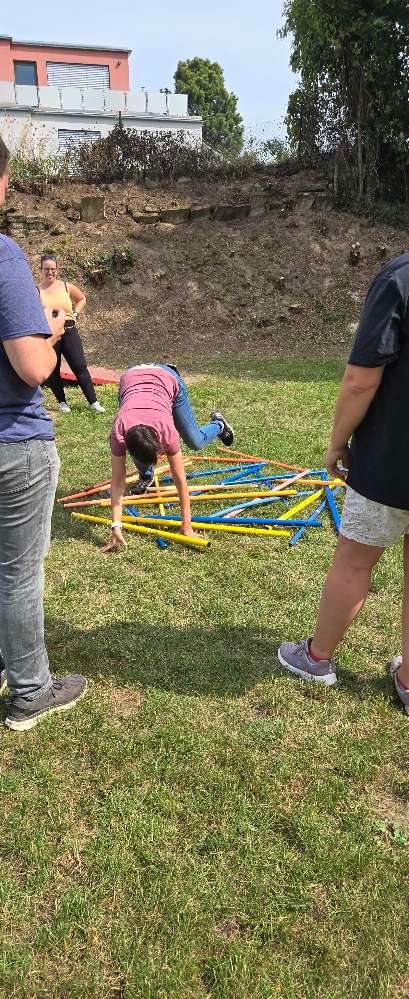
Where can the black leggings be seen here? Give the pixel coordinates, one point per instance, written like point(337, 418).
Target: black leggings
point(70, 347)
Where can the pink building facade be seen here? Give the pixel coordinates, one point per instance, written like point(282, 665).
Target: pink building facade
point(53, 96)
point(36, 63)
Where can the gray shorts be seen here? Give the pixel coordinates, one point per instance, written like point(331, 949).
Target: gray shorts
point(371, 523)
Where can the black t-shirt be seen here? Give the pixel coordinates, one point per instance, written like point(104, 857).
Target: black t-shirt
point(379, 466)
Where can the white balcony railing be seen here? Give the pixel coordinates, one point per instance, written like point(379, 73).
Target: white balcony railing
point(92, 100)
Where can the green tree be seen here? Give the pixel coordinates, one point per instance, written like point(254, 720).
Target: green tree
point(355, 57)
point(203, 81)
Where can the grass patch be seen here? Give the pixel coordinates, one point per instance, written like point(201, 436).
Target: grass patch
point(202, 825)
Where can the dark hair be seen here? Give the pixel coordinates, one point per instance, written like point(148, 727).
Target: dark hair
point(47, 256)
point(143, 444)
point(4, 157)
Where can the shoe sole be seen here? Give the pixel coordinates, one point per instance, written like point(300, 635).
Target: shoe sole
point(329, 680)
point(29, 723)
point(229, 442)
point(228, 429)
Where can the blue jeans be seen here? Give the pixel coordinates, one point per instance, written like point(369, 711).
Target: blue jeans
point(195, 436)
point(28, 480)
point(192, 434)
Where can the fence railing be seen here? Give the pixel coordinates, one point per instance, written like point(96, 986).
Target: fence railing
point(93, 100)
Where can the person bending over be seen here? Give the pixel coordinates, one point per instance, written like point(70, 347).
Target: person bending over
point(154, 409)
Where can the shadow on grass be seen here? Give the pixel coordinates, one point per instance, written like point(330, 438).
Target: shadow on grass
point(193, 661)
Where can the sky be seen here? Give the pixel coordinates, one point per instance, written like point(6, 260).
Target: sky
point(238, 34)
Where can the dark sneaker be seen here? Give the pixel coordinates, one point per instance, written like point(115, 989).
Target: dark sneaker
point(227, 433)
point(64, 692)
point(3, 680)
point(141, 486)
point(403, 694)
point(297, 660)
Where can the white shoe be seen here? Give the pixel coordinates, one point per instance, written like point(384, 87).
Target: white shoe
point(64, 407)
point(96, 406)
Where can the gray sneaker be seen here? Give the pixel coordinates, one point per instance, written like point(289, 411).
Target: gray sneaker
point(64, 692)
point(297, 660)
point(395, 665)
point(3, 680)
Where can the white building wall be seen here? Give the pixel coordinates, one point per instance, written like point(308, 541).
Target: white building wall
point(36, 131)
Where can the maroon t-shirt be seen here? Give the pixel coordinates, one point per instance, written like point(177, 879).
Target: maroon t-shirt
point(146, 396)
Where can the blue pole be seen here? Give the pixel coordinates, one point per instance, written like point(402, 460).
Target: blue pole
point(245, 521)
point(332, 505)
point(201, 475)
point(161, 543)
point(296, 537)
point(241, 475)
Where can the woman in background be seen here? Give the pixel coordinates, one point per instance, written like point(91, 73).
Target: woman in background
point(56, 294)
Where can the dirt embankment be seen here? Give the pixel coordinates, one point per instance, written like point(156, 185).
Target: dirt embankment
point(279, 283)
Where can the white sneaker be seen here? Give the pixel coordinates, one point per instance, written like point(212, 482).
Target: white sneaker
point(96, 406)
point(64, 407)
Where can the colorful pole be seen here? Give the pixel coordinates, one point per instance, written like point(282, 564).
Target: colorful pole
point(205, 474)
point(147, 500)
point(236, 521)
point(256, 457)
point(319, 509)
point(301, 506)
point(201, 526)
point(160, 541)
point(169, 536)
point(332, 505)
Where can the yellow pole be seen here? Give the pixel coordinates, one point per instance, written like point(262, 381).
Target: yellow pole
point(193, 542)
point(161, 506)
point(147, 500)
point(197, 526)
point(289, 514)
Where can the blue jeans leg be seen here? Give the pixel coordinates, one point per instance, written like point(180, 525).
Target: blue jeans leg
point(192, 434)
point(28, 480)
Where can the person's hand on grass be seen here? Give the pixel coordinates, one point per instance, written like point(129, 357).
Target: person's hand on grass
point(337, 461)
point(116, 541)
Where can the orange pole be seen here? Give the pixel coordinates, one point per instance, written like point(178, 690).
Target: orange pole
point(268, 461)
point(99, 487)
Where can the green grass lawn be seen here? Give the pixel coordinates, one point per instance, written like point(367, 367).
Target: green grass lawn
point(202, 825)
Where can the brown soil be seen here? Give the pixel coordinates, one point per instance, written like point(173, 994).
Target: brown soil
point(282, 284)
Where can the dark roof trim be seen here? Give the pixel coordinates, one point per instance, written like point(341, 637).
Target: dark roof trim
point(60, 45)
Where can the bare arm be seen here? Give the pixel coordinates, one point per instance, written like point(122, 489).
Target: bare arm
point(77, 297)
point(179, 478)
point(118, 479)
point(33, 357)
point(359, 387)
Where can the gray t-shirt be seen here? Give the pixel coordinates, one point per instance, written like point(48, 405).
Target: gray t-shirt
point(22, 413)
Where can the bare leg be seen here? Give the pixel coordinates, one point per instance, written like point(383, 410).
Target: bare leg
point(404, 670)
point(345, 590)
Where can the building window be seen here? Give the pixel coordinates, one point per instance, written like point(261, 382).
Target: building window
point(66, 74)
point(67, 138)
point(25, 74)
